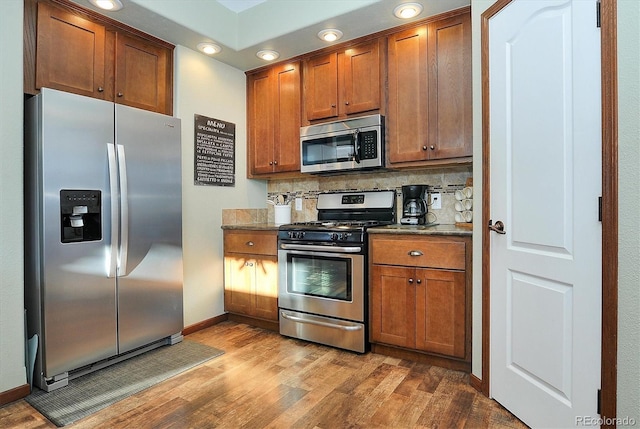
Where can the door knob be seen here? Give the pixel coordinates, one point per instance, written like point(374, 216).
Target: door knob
point(498, 227)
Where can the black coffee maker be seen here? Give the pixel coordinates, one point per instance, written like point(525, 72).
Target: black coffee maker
point(414, 206)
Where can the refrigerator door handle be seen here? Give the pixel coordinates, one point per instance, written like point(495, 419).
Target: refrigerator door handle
point(124, 212)
point(113, 191)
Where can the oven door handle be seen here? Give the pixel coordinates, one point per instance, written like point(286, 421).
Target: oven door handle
point(319, 323)
point(311, 247)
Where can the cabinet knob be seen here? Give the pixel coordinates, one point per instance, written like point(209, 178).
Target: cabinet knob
point(249, 243)
point(120, 94)
point(248, 264)
point(346, 103)
point(410, 280)
point(333, 106)
point(419, 281)
point(432, 147)
point(424, 147)
point(100, 89)
point(275, 162)
point(415, 253)
point(270, 162)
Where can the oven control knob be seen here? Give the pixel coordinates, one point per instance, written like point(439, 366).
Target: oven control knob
point(333, 236)
point(296, 234)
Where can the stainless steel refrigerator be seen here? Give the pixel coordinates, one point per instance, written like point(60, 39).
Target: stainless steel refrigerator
point(103, 233)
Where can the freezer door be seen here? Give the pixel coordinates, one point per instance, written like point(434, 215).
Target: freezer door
point(68, 281)
point(150, 261)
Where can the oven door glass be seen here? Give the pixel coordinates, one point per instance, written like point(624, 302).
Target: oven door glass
point(320, 276)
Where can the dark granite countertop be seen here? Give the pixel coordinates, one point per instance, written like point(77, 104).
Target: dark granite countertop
point(436, 229)
point(253, 226)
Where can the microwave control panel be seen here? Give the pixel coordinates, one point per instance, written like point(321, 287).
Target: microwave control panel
point(368, 145)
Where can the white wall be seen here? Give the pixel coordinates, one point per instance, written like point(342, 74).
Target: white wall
point(210, 88)
point(629, 209)
point(12, 366)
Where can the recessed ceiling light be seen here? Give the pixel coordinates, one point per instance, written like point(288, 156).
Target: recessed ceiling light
point(268, 55)
point(407, 10)
point(330, 35)
point(111, 5)
point(209, 48)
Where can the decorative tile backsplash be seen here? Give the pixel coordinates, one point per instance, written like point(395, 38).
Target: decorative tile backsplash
point(443, 180)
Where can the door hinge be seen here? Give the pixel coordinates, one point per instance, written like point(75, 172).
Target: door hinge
point(600, 209)
point(599, 410)
point(598, 14)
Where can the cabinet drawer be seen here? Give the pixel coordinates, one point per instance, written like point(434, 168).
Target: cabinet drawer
point(412, 252)
point(252, 242)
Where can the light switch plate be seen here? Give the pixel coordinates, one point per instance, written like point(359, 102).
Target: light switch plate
point(298, 204)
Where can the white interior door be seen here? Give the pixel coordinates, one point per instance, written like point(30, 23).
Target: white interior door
point(545, 137)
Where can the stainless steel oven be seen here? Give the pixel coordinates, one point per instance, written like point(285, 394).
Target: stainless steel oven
point(322, 269)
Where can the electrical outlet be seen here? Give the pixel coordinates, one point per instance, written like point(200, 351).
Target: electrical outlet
point(436, 201)
point(299, 204)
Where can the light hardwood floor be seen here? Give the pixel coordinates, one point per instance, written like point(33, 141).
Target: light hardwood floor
point(265, 380)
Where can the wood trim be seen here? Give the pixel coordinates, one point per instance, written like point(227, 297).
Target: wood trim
point(486, 194)
point(14, 394)
point(416, 356)
point(204, 324)
point(609, 83)
point(609, 73)
point(269, 325)
point(475, 382)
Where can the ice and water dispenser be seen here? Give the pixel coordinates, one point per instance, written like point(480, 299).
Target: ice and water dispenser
point(80, 215)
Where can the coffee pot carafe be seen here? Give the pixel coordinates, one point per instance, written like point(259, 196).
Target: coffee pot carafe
point(414, 206)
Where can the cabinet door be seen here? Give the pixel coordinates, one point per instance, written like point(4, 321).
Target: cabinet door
point(393, 306)
point(70, 52)
point(260, 100)
point(449, 59)
point(239, 274)
point(361, 78)
point(440, 312)
point(265, 299)
point(321, 86)
point(408, 96)
point(143, 74)
point(287, 106)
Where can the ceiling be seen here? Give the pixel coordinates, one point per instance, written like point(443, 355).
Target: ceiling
point(243, 27)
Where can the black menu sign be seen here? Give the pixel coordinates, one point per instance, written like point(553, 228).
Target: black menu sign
point(214, 161)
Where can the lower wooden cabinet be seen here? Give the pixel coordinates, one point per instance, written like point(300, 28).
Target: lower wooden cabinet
point(251, 274)
point(420, 294)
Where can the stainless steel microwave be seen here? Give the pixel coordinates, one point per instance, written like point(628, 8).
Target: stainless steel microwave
point(342, 146)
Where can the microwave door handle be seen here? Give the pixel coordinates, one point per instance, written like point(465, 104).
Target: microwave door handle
point(356, 146)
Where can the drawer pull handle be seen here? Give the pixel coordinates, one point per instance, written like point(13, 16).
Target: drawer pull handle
point(415, 253)
point(249, 243)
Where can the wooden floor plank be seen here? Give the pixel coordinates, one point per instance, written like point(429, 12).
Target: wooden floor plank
point(264, 380)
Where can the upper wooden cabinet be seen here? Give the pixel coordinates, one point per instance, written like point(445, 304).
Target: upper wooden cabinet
point(76, 50)
point(142, 74)
point(70, 52)
point(429, 96)
point(274, 106)
point(343, 83)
